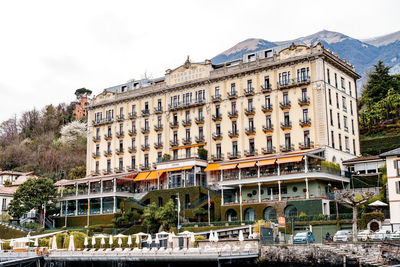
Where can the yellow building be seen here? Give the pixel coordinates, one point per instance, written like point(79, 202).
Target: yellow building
point(288, 100)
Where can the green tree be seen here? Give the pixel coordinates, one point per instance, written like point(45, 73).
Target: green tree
point(82, 92)
point(160, 218)
point(199, 213)
point(202, 152)
point(77, 172)
point(34, 193)
point(150, 219)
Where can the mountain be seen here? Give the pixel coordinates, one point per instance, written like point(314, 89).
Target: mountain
point(363, 54)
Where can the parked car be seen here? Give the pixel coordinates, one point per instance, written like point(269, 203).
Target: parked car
point(380, 235)
point(305, 237)
point(395, 236)
point(343, 236)
point(364, 235)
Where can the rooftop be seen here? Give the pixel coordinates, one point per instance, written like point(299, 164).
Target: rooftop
point(362, 159)
point(394, 152)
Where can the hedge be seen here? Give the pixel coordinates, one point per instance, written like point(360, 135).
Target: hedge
point(7, 232)
point(80, 221)
point(367, 217)
point(378, 145)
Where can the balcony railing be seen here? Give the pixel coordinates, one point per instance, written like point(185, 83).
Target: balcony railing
point(132, 149)
point(267, 108)
point(174, 143)
point(199, 120)
point(143, 167)
point(119, 151)
point(108, 136)
point(285, 104)
point(284, 148)
point(132, 132)
point(266, 88)
point(217, 136)
point(95, 173)
point(96, 154)
point(303, 101)
point(96, 138)
point(186, 141)
point(158, 145)
point(306, 145)
point(119, 169)
point(249, 111)
point(232, 95)
point(216, 98)
point(217, 157)
point(186, 122)
point(174, 125)
point(158, 127)
point(102, 121)
point(287, 83)
point(132, 115)
point(145, 112)
point(105, 172)
point(286, 125)
point(249, 91)
point(120, 117)
point(199, 139)
point(233, 133)
point(107, 153)
point(217, 117)
point(268, 150)
point(250, 131)
point(233, 114)
point(233, 155)
point(145, 130)
point(145, 147)
point(304, 123)
point(158, 110)
point(268, 128)
point(250, 153)
point(120, 134)
point(183, 105)
point(130, 168)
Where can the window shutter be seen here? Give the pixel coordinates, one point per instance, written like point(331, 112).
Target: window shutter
point(395, 164)
point(397, 188)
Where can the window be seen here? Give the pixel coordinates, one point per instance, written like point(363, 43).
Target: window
point(97, 149)
point(200, 113)
point(266, 82)
point(287, 142)
point(346, 143)
point(331, 116)
point(216, 91)
point(133, 109)
point(346, 128)
point(284, 78)
point(159, 156)
point(175, 136)
point(98, 117)
point(109, 131)
point(304, 94)
point(121, 128)
point(159, 139)
point(285, 98)
point(187, 115)
point(397, 183)
point(175, 155)
point(188, 153)
point(333, 139)
point(201, 134)
point(330, 97)
point(268, 101)
point(146, 124)
point(336, 85)
point(268, 123)
point(351, 107)
point(233, 107)
point(286, 119)
point(110, 115)
point(218, 129)
point(97, 167)
point(187, 134)
point(146, 105)
point(344, 105)
point(97, 133)
point(133, 126)
point(351, 93)
point(340, 142)
point(307, 140)
point(218, 150)
point(234, 127)
point(250, 104)
point(108, 165)
point(133, 162)
point(121, 145)
point(397, 166)
point(121, 112)
point(269, 143)
point(251, 146)
point(159, 121)
point(146, 140)
point(251, 124)
point(121, 164)
point(234, 148)
point(342, 83)
point(133, 141)
point(217, 110)
point(329, 76)
point(175, 118)
point(305, 115)
point(159, 105)
point(250, 85)
point(146, 160)
point(338, 120)
point(352, 126)
point(337, 100)
point(303, 74)
point(233, 89)
point(109, 147)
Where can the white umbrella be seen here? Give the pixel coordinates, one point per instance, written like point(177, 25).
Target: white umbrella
point(110, 240)
point(192, 239)
point(93, 241)
point(211, 237)
point(129, 240)
point(36, 242)
point(185, 233)
point(50, 242)
point(12, 243)
point(149, 240)
point(241, 238)
point(54, 243)
point(119, 241)
point(157, 240)
point(215, 237)
point(120, 235)
point(170, 240)
point(102, 241)
point(86, 243)
point(71, 245)
point(137, 240)
point(163, 233)
point(250, 234)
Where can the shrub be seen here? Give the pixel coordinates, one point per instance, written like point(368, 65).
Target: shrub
point(367, 217)
point(202, 153)
point(197, 238)
point(60, 239)
point(79, 239)
point(44, 242)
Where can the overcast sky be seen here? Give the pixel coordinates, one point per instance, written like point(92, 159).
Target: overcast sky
point(50, 48)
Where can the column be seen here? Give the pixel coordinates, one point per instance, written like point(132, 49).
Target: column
point(258, 172)
point(222, 196)
point(115, 205)
point(194, 176)
point(88, 207)
point(240, 174)
point(88, 191)
point(241, 200)
point(184, 178)
point(168, 180)
point(279, 188)
point(279, 170)
point(307, 194)
point(101, 203)
point(115, 185)
point(305, 164)
point(101, 186)
point(259, 190)
point(76, 189)
point(76, 207)
point(222, 175)
point(62, 191)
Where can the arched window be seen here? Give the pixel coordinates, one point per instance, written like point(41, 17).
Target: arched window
point(231, 215)
point(250, 215)
point(290, 211)
point(269, 214)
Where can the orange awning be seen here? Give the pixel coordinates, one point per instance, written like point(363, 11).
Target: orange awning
point(154, 175)
point(266, 162)
point(141, 176)
point(212, 167)
point(289, 159)
point(246, 164)
point(178, 169)
point(228, 166)
point(133, 175)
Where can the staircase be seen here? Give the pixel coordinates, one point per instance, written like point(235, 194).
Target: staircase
point(15, 227)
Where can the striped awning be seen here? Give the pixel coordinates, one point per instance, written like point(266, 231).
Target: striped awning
point(266, 162)
point(212, 167)
point(141, 176)
point(289, 159)
point(247, 164)
point(228, 166)
point(154, 175)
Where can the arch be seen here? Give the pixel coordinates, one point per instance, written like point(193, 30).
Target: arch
point(250, 214)
point(231, 215)
point(291, 211)
point(334, 159)
point(374, 225)
point(269, 213)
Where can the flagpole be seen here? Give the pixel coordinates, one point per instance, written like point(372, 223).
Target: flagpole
point(241, 217)
point(66, 212)
point(179, 207)
point(208, 205)
point(44, 216)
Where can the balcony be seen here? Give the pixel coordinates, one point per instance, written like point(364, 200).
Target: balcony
point(217, 136)
point(120, 134)
point(107, 153)
point(144, 167)
point(233, 155)
point(108, 120)
point(285, 105)
point(145, 130)
point(174, 125)
point(286, 125)
point(305, 123)
point(268, 150)
point(108, 137)
point(97, 122)
point(184, 105)
point(95, 173)
point(288, 83)
point(304, 101)
point(174, 143)
point(132, 132)
point(145, 112)
point(158, 145)
point(250, 131)
point(186, 122)
point(344, 108)
point(119, 170)
point(158, 110)
point(132, 115)
point(250, 153)
point(232, 95)
point(346, 128)
point(119, 151)
point(266, 108)
point(216, 98)
point(249, 91)
point(130, 168)
point(186, 141)
point(199, 120)
point(268, 128)
point(266, 89)
point(96, 138)
point(217, 157)
point(250, 111)
point(306, 145)
point(120, 117)
point(286, 148)
point(106, 171)
point(132, 149)
point(233, 114)
point(96, 155)
point(145, 147)
point(233, 134)
point(217, 117)
point(158, 128)
point(199, 139)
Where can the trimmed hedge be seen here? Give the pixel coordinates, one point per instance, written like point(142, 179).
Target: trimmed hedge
point(367, 217)
point(7, 233)
point(378, 145)
point(80, 221)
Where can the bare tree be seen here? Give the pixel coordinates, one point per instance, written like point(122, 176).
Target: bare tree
point(354, 200)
